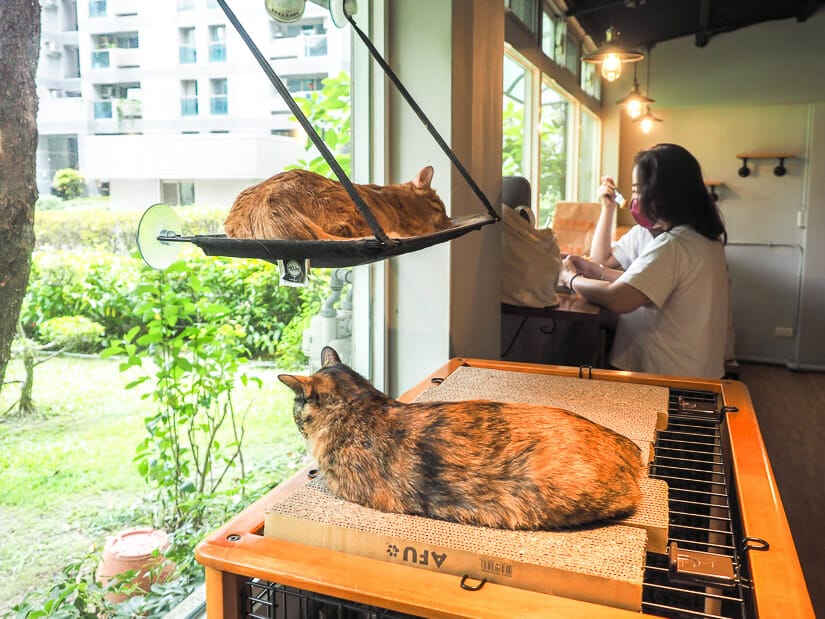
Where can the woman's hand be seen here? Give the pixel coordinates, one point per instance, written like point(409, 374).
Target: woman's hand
point(579, 264)
point(607, 191)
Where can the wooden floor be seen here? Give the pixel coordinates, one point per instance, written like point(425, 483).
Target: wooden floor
point(790, 407)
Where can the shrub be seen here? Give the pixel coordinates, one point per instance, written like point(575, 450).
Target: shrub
point(48, 203)
point(72, 333)
point(104, 288)
point(68, 183)
point(103, 229)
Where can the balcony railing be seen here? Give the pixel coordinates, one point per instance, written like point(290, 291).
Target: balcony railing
point(102, 109)
point(189, 106)
point(100, 59)
point(217, 52)
point(219, 106)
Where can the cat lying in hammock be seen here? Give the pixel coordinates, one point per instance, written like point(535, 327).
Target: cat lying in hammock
point(507, 466)
point(302, 205)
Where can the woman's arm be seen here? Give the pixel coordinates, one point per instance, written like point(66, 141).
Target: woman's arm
point(616, 297)
point(600, 246)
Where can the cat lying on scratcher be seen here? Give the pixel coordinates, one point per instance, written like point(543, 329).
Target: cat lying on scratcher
point(494, 464)
point(302, 205)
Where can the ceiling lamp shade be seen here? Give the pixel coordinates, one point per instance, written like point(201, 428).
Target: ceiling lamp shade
point(612, 55)
point(634, 103)
point(647, 121)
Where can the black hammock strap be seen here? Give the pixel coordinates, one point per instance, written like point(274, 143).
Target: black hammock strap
point(423, 118)
point(321, 145)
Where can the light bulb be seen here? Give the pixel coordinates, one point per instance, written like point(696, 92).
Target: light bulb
point(611, 67)
point(647, 125)
point(634, 107)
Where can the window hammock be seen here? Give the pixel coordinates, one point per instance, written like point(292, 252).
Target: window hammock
point(157, 231)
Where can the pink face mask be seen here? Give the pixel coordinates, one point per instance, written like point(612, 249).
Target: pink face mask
point(638, 216)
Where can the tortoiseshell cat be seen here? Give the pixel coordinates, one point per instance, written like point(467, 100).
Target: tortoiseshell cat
point(302, 205)
point(507, 466)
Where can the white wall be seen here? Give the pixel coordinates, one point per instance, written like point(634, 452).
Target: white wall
point(444, 301)
point(754, 90)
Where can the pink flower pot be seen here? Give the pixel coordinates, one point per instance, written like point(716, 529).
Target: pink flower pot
point(134, 549)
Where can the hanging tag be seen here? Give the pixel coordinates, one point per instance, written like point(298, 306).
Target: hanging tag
point(293, 272)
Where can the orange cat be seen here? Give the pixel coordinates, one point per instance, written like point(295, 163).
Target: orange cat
point(301, 205)
point(508, 466)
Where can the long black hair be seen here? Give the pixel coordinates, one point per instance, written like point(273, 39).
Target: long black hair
point(670, 187)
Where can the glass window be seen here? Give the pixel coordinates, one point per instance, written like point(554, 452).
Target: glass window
point(549, 138)
point(187, 52)
point(217, 43)
point(103, 109)
point(219, 100)
point(304, 84)
point(177, 193)
point(97, 8)
point(556, 131)
point(516, 134)
point(590, 143)
point(186, 5)
point(189, 98)
point(100, 59)
point(527, 12)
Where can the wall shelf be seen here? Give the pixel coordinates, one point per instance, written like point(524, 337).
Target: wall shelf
point(779, 170)
point(712, 187)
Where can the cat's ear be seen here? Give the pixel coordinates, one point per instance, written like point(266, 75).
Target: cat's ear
point(329, 357)
point(424, 178)
point(294, 382)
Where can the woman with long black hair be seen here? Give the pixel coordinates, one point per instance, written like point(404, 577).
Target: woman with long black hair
point(667, 277)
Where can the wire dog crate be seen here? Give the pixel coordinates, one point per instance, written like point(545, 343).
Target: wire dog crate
point(731, 553)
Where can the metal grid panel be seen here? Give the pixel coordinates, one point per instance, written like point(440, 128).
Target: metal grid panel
point(690, 457)
point(265, 600)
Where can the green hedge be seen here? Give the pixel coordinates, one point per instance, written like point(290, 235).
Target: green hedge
point(105, 288)
point(85, 264)
point(91, 226)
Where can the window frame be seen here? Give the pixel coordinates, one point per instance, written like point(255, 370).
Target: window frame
point(525, 48)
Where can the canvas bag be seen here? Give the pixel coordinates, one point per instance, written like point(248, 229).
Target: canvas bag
point(531, 261)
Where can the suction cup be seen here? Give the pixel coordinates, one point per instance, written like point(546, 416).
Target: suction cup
point(340, 9)
point(158, 221)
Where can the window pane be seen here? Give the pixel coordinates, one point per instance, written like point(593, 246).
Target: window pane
point(589, 147)
point(526, 11)
point(516, 143)
point(556, 127)
point(97, 8)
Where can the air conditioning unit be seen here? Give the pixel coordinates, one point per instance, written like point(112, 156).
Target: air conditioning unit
point(106, 92)
point(53, 48)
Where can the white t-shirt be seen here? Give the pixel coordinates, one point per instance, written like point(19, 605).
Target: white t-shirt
point(631, 245)
point(683, 330)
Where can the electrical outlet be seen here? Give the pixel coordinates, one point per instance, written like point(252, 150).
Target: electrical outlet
point(783, 332)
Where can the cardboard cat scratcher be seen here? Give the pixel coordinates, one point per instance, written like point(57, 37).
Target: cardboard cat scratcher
point(159, 236)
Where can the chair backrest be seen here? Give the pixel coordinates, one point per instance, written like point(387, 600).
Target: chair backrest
point(574, 223)
point(515, 191)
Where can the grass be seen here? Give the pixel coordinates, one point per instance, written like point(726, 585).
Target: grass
point(67, 479)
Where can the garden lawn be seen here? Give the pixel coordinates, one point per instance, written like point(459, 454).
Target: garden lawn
point(67, 479)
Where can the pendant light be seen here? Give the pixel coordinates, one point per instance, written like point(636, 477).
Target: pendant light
point(611, 55)
point(647, 121)
point(634, 103)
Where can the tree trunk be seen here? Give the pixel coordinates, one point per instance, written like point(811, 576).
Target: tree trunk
point(19, 53)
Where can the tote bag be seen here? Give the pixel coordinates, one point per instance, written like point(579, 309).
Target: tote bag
point(531, 261)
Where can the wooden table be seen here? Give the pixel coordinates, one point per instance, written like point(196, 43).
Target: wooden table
point(239, 551)
point(573, 332)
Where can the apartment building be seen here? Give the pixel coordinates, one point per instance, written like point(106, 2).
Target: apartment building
point(163, 101)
